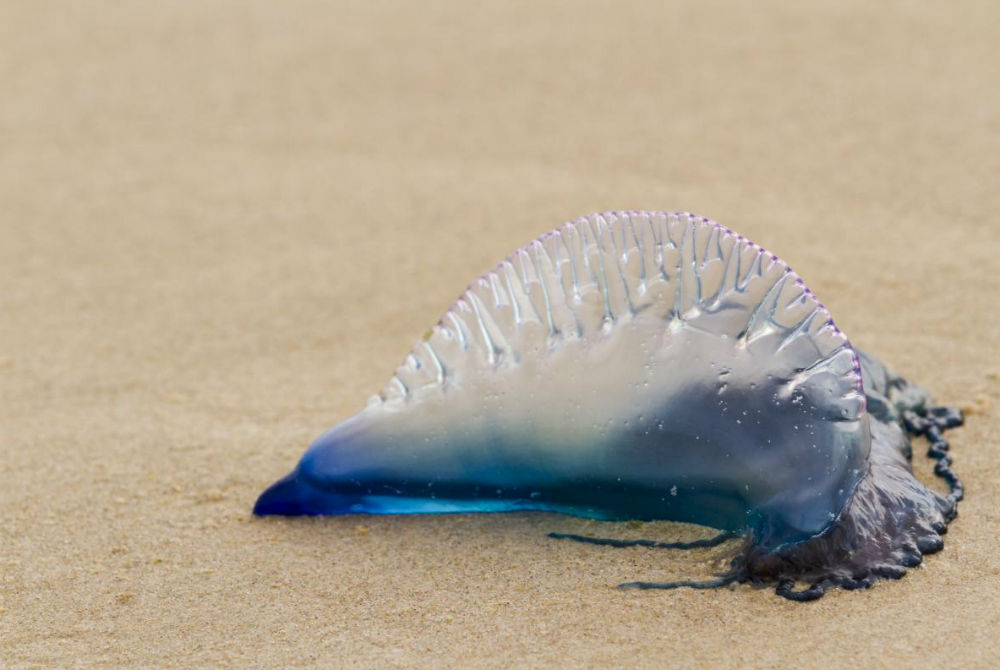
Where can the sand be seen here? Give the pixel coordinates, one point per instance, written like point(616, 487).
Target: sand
point(222, 224)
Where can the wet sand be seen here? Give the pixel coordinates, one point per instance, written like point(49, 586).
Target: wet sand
point(223, 224)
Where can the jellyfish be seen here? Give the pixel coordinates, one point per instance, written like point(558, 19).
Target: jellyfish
point(651, 366)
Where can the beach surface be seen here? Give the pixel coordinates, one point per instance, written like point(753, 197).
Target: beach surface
point(224, 223)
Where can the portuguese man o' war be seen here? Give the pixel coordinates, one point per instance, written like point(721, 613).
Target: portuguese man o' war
point(650, 366)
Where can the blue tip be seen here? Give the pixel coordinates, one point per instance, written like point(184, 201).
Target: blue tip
point(295, 495)
point(288, 496)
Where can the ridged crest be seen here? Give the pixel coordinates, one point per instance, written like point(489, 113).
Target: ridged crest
point(575, 285)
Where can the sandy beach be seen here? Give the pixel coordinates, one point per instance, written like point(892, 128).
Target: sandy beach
point(223, 224)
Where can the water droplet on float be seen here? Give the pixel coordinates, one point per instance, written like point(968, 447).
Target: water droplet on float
point(673, 490)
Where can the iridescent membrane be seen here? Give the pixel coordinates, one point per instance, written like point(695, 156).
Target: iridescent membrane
point(648, 365)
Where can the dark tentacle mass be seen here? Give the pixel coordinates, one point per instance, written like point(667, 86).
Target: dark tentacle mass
point(876, 536)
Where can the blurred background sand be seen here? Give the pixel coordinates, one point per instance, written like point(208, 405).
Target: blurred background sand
point(222, 224)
